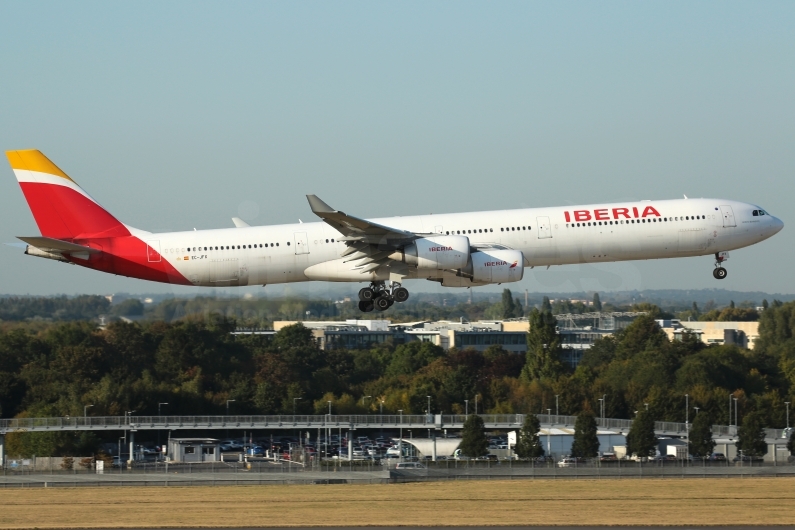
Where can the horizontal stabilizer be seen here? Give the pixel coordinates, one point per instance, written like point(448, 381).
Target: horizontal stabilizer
point(56, 245)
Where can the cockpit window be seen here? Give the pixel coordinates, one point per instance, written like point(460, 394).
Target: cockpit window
point(755, 213)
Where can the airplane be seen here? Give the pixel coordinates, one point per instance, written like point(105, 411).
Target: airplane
point(457, 250)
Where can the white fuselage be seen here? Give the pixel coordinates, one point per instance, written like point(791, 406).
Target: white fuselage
point(545, 236)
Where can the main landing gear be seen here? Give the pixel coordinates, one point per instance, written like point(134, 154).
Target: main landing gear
point(378, 297)
point(719, 272)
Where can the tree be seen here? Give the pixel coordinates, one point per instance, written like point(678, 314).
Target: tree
point(751, 436)
point(791, 443)
point(543, 347)
point(641, 439)
point(586, 442)
point(695, 310)
point(764, 304)
point(546, 305)
point(701, 442)
point(509, 307)
point(597, 304)
point(473, 437)
point(731, 304)
point(529, 443)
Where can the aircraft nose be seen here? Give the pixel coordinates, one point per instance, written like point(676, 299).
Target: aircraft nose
point(778, 224)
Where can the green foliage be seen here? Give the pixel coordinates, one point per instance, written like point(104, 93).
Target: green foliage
point(510, 309)
point(597, 303)
point(641, 439)
point(473, 437)
point(543, 347)
point(701, 442)
point(751, 436)
point(586, 442)
point(85, 307)
point(730, 314)
point(131, 307)
point(791, 443)
point(529, 443)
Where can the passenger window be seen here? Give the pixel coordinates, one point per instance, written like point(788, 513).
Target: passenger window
point(288, 243)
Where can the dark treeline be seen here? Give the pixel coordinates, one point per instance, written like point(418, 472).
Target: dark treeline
point(197, 365)
point(85, 307)
point(262, 312)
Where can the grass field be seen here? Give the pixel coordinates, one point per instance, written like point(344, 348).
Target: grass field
point(741, 501)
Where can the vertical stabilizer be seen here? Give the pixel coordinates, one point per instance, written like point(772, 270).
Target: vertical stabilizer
point(62, 210)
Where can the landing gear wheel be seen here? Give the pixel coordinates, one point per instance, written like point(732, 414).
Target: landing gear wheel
point(401, 294)
point(366, 294)
point(720, 273)
point(366, 306)
point(382, 303)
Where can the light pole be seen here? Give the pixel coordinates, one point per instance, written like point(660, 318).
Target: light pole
point(557, 409)
point(476, 404)
point(329, 408)
point(382, 410)
point(363, 400)
point(228, 401)
point(85, 410)
point(294, 401)
point(687, 423)
point(601, 407)
point(466, 408)
point(604, 406)
point(735, 412)
point(158, 431)
point(696, 409)
point(647, 407)
point(787, 404)
point(400, 441)
point(128, 415)
point(429, 406)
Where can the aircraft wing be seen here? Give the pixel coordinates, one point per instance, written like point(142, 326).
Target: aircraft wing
point(369, 244)
point(356, 229)
point(56, 245)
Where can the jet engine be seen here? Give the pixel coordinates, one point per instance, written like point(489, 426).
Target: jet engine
point(435, 253)
point(496, 266)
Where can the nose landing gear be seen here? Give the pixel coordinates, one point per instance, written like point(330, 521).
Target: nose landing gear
point(719, 272)
point(377, 296)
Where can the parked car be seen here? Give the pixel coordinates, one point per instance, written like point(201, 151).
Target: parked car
point(409, 465)
point(717, 457)
point(608, 457)
point(567, 462)
point(255, 450)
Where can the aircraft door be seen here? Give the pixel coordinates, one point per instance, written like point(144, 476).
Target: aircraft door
point(728, 216)
point(301, 243)
point(153, 251)
point(439, 229)
point(544, 228)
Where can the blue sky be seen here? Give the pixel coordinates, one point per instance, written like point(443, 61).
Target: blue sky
point(183, 114)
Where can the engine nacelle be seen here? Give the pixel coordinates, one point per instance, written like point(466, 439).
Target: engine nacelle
point(435, 253)
point(496, 266)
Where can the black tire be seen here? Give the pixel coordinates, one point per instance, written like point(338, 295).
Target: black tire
point(366, 294)
point(715, 273)
point(721, 273)
point(401, 294)
point(382, 303)
point(366, 306)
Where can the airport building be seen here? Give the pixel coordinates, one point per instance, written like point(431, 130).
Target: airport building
point(578, 332)
point(742, 334)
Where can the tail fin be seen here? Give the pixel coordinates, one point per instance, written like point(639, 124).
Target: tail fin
point(62, 210)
